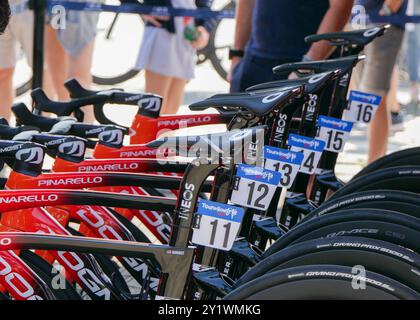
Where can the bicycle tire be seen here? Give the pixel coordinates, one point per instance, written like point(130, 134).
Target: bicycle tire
point(377, 256)
point(399, 201)
point(388, 226)
point(316, 282)
point(109, 267)
point(211, 50)
point(44, 270)
point(405, 178)
point(110, 81)
point(23, 88)
point(400, 158)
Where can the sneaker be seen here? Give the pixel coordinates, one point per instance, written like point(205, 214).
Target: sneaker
point(397, 121)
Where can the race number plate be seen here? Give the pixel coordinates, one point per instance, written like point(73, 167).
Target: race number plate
point(284, 161)
point(311, 148)
point(361, 107)
point(254, 187)
point(334, 132)
point(216, 225)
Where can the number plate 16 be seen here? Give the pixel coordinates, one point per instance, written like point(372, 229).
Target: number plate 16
point(361, 107)
point(254, 187)
point(216, 225)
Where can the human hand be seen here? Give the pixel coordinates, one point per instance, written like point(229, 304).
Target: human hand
point(155, 20)
point(234, 62)
point(202, 40)
point(393, 5)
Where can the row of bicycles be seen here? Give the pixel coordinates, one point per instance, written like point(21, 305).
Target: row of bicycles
point(255, 212)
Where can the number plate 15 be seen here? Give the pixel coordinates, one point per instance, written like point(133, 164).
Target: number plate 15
point(284, 161)
point(216, 225)
point(334, 132)
point(254, 187)
point(361, 107)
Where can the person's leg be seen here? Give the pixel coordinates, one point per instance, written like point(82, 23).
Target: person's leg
point(378, 132)
point(392, 100)
point(158, 84)
point(80, 68)
point(175, 96)
point(381, 57)
point(57, 63)
point(6, 92)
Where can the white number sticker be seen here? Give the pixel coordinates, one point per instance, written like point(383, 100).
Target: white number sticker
point(312, 151)
point(334, 132)
point(284, 161)
point(216, 225)
point(362, 107)
point(254, 187)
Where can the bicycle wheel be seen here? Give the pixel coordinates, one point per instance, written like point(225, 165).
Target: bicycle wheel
point(327, 282)
point(47, 272)
point(218, 50)
point(382, 225)
point(396, 159)
point(116, 31)
point(405, 178)
point(399, 201)
point(378, 256)
point(22, 78)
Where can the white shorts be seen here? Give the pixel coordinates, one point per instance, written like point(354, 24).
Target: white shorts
point(17, 36)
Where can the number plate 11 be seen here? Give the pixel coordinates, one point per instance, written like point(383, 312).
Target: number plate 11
point(216, 225)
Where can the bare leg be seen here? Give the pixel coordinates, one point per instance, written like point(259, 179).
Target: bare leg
point(80, 68)
point(57, 62)
point(392, 100)
point(378, 132)
point(158, 84)
point(6, 92)
point(175, 95)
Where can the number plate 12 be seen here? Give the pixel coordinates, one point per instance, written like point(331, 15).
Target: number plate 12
point(216, 225)
point(254, 187)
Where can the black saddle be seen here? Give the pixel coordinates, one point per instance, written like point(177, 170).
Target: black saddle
point(259, 103)
point(358, 37)
point(312, 83)
point(345, 65)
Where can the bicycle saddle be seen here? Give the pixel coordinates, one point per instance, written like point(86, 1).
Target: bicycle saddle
point(357, 37)
point(312, 83)
point(259, 103)
point(303, 68)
